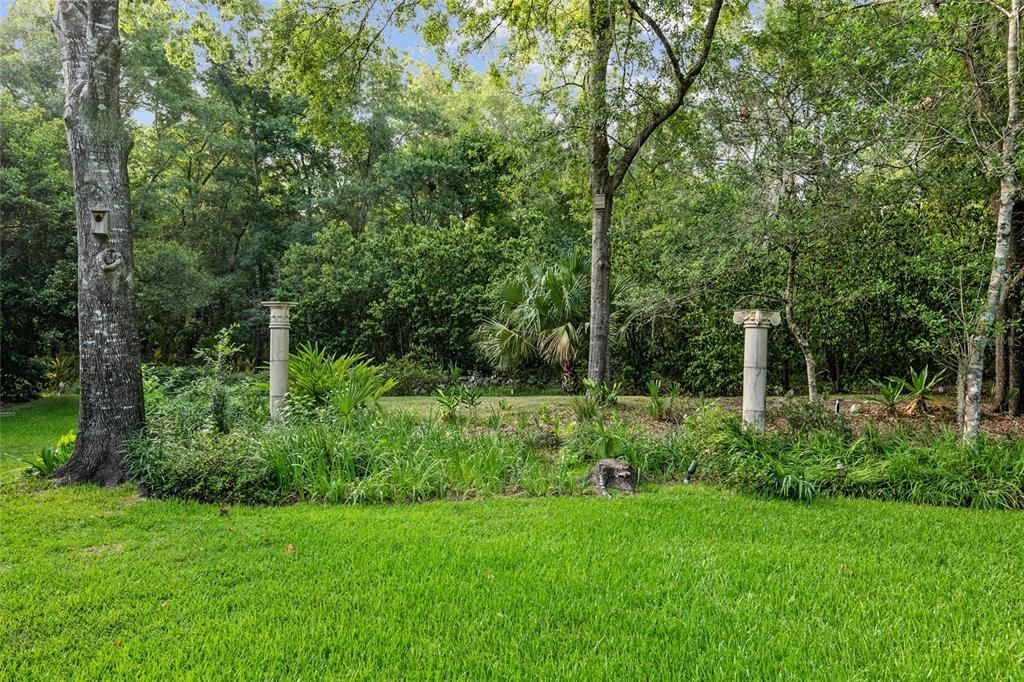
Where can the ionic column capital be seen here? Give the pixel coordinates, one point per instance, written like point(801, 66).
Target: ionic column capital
point(757, 318)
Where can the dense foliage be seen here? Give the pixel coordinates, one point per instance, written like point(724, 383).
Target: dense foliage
point(294, 151)
point(328, 449)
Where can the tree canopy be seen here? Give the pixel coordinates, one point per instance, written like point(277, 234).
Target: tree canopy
point(393, 166)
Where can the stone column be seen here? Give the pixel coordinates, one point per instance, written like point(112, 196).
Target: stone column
point(279, 327)
point(756, 324)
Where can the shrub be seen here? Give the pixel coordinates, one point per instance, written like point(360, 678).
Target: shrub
point(185, 400)
point(346, 382)
point(803, 417)
point(585, 408)
point(204, 466)
point(920, 389)
point(396, 459)
point(62, 373)
point(313, 373)
point(890, 393)
point(217, 365)
point(21, 378)
point(457, 396)
point(604, 393)
point(370, 458)
point(922, 467)
point(414, 374)
point(653, 457)
point(916, 391)
point(50, 459)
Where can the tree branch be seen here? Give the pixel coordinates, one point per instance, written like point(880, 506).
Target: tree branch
point(684, 81)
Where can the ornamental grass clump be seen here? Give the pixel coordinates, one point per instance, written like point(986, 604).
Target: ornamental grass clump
point(395, 458)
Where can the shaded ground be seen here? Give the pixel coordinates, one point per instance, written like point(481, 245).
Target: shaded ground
point(857, 408)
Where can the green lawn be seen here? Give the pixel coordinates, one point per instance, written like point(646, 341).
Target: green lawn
point(24, 429)
point(511, 405)
point(679, 582)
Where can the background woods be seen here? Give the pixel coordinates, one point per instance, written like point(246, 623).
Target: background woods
point(394, 192)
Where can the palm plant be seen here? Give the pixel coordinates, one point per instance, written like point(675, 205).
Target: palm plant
point(62, 372)
point(920, 388)
point(346, 381)
point(543, 312)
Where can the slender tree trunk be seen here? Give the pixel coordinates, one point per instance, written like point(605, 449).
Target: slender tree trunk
point(1000, 381)
point(111, 403)
point(601, 25)
point(961, 389)
point(603, 182)
point(600, 284)
point(801, 339)
point(1007, 321)
point(1015, 317)
point(1004, 225)
point(1015, 371)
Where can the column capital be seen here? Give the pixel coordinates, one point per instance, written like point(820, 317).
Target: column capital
point(279, 313)
point(757, 318)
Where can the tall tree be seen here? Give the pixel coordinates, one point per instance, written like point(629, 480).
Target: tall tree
point(1009, 190)
point(633, 63)
point(111, 401)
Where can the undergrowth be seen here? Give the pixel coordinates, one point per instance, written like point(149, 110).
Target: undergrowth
point(337, 455)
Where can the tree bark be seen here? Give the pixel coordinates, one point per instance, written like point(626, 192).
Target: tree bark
point(600, 287)
point(1015, 361)
point(1004, 225)
point(1007, 319)
point(961, 389)
point(801, 339)
point(1000, 381)
point(601, 26)
point(111, 400)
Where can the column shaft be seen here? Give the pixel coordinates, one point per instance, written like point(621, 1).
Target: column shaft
point(279, 326)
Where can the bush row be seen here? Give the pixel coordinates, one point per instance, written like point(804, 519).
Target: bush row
point(371, 457)
point(211, 441)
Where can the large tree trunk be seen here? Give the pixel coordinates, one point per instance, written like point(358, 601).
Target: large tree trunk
point(111, 402)
point(801, 339)
point(601, 26)
point(1004, 225)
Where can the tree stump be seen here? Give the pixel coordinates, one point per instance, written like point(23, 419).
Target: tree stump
point(612, 473)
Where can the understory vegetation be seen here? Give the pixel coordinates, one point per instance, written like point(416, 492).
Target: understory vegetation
point(335, 444)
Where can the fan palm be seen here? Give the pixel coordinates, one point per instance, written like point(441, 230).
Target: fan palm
point(543, 312)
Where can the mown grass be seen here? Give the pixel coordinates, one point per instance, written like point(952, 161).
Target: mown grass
point(24, 429)
point(425, 406)
point(679, 582)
